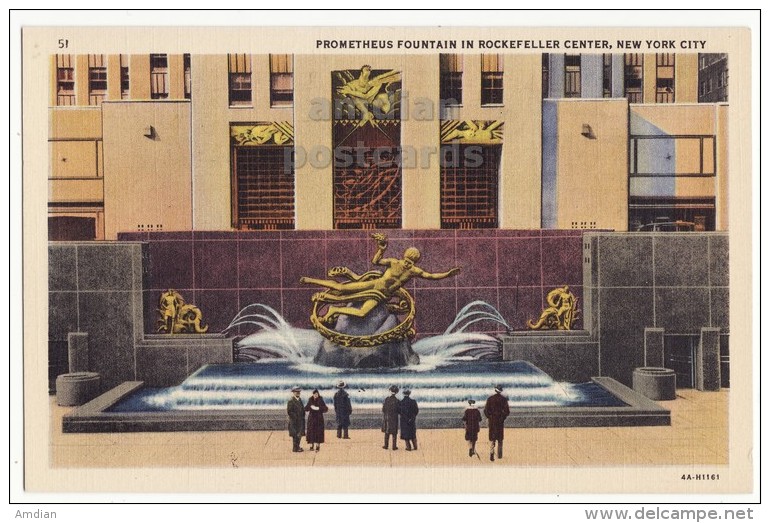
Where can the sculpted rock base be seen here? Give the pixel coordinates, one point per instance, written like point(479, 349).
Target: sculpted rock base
point(391, 354)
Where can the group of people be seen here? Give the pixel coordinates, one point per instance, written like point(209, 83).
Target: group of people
point(395, 414)
point(403, 412)
point(496, 409)
point(313, 429)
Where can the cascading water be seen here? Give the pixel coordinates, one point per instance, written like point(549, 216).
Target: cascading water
point(279, 339)
point(453, 368)
point(275, 337)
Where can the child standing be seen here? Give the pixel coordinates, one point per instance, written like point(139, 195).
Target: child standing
point(472, 422)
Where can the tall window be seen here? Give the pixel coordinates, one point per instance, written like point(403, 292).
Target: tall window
point(65, 80)
point(281, 80)
point(491, 79)
point(634, 75)
point(469, 185)
point(240, 78)
point(124, 79)
point(97, 79)
point(451, 69)
point(607, 75)
point(572, 76)
point(187, 77)
point(158, 76)
point(263, 187)
point(664, 73)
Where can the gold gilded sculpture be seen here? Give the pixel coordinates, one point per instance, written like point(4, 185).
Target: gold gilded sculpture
point(561, 311)
point(370, 289)
point(178, 317)
point(263, 133)
point(472, 131)
point(370, 94)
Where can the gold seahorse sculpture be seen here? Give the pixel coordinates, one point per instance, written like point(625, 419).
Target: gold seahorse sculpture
point(561, 311)
point(178, 317)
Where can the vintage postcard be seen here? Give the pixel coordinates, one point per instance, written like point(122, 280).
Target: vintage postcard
point(473, 260)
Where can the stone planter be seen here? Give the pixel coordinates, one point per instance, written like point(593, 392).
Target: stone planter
point(77, 388)
point(656, 383)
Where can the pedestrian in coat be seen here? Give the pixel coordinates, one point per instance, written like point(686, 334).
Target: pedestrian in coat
point(496, 410)
point(472, 423)
point(295, 409)
point(407, 412)
point(315, 420)
point(342, 410)
point(390, 417)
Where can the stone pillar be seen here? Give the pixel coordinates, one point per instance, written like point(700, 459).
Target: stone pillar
point(591, 76)
point(556, 75)
point(77, 351)
point(707, 372)
point(653, 347)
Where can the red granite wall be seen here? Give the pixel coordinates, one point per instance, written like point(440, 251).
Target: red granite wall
point(222, 272)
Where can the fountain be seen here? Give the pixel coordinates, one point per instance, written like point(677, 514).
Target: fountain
point(363, 333)
point(359, 316)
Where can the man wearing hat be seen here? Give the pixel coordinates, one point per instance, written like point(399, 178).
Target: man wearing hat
point(296, 412)
point(390, 417)
point(342, 410)
point(407, 411)
point(472, 423)
point(496, 410)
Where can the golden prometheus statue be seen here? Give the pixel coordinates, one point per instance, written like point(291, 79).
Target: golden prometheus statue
point(370, 290)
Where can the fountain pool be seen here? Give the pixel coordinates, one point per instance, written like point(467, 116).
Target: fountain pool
point(454, 367)
point(266, 386)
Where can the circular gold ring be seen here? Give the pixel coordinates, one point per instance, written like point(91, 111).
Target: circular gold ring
point(402, 331)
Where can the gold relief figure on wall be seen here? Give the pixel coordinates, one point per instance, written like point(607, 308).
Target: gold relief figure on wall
point(370, 290)
point(561, 311)
point(178, 317)
point(472, 131)
point(366, 136)
point(263, 133)
point(375, 97)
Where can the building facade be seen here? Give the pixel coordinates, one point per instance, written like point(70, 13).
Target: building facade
point(166, 142)
point(712, 77)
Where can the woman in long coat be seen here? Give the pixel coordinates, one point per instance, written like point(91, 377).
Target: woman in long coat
point(407, 412)
point(315, 420)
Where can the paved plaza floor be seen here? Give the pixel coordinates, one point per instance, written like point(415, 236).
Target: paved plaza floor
point(698, 435)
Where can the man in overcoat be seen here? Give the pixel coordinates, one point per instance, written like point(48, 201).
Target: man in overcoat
point(295, 410)
point(342, 410)
point(407, 412)
point(390, 417)
point(496, 410)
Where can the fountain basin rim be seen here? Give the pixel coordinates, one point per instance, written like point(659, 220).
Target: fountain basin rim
point(545, 333)
point(186, 336)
